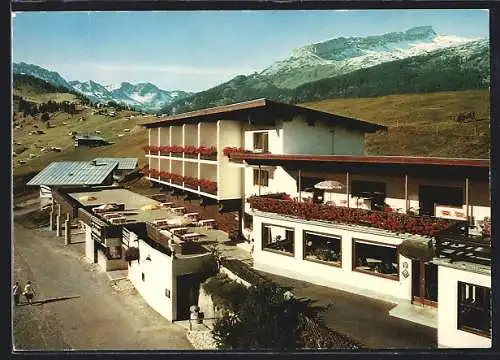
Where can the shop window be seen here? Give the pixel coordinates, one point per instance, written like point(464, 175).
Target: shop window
point(260, 141)
point(322, 247)
point(277, 238)
point(375, 259)
point(474, 309)
point(264, 177)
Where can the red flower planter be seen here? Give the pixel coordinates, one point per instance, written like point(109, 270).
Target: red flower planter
point(232, 149)
point(191, 182)
point(208, 186)
point(394, 222)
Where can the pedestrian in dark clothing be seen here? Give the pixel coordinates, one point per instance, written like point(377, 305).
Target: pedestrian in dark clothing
point(16, 293)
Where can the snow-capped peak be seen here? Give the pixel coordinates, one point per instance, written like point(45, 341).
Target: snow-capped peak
point(350, 54)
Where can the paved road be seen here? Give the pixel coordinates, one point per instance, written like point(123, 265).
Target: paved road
point(104, 316)
point(363, 318)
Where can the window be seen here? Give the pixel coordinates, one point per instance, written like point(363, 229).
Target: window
point(260, 141)
point(375, 259)
point(322, 247)
point(143, 277)
point(264, 177)
point(474, 309)
point(277, 238)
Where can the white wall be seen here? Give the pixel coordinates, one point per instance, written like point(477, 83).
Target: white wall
point(208, 134)
point(274, 136)
point(279, 181)
point(158, 277)
point(301, 138)
point(89, 244)
point(348, 142)
point(448, 333)
point(326, 275)
point(229, 178)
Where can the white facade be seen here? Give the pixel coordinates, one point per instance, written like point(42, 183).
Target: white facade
point(343, 276)
point(155, 274)
point(286, 137)
point(449, 333)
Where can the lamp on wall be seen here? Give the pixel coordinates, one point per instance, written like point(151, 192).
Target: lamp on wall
point(148, 258)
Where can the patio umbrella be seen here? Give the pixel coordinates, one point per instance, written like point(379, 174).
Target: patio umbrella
point(107, 207)
point(329, 185)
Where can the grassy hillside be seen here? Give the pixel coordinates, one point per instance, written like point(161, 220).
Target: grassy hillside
point(421, 124)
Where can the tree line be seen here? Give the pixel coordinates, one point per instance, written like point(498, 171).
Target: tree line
point(33, 109)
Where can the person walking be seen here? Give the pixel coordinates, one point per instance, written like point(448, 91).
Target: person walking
point(29, 292)
point(16, 292)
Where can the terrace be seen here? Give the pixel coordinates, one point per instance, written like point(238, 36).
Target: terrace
point(453, 239)
point(457, 243)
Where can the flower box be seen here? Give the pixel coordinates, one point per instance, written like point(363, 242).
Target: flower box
point(390, 221)
point(207, 153)
point(233, 149)
point(208, 186)
point(176, 179)
point(164, 150)
point(191, 182)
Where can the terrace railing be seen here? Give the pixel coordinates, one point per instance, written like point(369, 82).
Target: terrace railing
point(457, 244)
point(389, 221)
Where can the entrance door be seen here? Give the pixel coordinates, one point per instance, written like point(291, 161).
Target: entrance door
point(188, 289)
point(424, 283)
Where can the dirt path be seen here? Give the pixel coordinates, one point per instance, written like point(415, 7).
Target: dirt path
point(104, 316)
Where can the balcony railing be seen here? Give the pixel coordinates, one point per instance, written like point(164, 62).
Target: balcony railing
point(190, 151)
point(394, 222)
point(205, 185)
point(456, 244)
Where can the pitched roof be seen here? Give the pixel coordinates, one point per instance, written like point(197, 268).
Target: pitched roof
point(73, 173)
point(123, 162)
point(261, 111)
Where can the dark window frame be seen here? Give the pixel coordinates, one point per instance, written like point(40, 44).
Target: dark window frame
point(463, 307)
point(370, 272)
point(325, 262)
point(265, 141)
point(264, 179)
point(280, 252)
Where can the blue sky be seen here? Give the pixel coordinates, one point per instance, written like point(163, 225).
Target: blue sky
point(196, 50)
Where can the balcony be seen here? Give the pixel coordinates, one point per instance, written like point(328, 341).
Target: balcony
point(396, 223)
point(200, 186)
point(188, 152)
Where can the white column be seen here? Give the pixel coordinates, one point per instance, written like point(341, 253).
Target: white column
point(467, 199)
point(300, 185)
point(406, 193)
point(347, 187)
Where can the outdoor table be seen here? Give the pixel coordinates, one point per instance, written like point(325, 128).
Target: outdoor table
point(179, 231)
point(190, 236)
point(179, 210)
point(211, 223)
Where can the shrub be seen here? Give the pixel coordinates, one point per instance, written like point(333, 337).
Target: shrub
point(45, 116)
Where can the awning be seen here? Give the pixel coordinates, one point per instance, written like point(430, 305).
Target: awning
point(417, 249)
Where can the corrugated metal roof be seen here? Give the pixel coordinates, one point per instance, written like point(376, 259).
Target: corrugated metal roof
point(123, 163)
point(73, 173)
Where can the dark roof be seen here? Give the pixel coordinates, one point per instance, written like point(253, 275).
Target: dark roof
point(73, 173)
point(261, 111)
point(425, 166)
point(123, 162)
point(88, 137)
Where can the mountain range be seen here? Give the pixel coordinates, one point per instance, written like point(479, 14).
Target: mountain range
point(415, 60)
point(142, 96)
